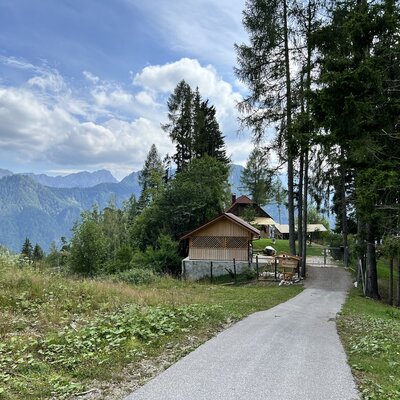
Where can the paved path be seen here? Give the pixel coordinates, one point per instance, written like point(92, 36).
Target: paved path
point(291, 351)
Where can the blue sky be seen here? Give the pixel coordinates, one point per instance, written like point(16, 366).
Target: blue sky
point(84, 83)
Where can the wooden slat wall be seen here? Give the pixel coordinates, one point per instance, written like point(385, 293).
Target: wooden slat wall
point(224, 228)
point(218, 254)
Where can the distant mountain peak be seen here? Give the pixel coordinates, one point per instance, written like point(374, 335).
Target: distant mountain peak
point(5, 172)
point(83, 179)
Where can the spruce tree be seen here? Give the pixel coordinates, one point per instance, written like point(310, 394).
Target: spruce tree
point(358, 105)
point(151, 178)
point(207, 136)
point(180, 125)
point(27, 249)
point(38, 253)
point(193, 127)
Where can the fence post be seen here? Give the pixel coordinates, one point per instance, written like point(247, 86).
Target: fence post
point(184, 270)
point(325, 256)
point(257, 267)
point(276, 267)
point(211, 272)
point(234, 270)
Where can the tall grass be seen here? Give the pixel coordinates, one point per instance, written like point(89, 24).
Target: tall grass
point(58, 333)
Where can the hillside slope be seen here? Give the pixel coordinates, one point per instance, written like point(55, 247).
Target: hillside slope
point(44, 214)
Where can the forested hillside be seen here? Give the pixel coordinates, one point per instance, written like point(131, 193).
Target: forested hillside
point(44, 214)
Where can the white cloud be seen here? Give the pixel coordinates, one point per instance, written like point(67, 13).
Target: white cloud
point(48, 81)
point(111, 97)
point(90, 77)
point(104, 124)
point(162, 79)
point(205, 29)
point(145, 98)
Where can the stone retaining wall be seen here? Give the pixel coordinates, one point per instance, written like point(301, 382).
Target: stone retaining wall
point(193, 270)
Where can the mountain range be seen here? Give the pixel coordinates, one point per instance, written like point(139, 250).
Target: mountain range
point(44, 208)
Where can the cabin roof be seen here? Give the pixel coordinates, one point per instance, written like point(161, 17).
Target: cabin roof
point(263, 221)
point(283, 228)
point(230, 217)
point(242, 202)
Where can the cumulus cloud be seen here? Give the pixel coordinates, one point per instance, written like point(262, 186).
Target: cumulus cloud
point(105, 124)
point(162, 79)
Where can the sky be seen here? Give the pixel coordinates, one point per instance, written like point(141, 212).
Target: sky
point(84, 83)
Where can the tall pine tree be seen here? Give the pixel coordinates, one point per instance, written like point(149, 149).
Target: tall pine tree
point(193, 127)
point(265, 67)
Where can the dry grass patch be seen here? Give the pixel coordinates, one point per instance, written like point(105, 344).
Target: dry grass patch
point(58, 334)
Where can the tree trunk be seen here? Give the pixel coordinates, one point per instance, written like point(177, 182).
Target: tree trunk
point(306, 150)
point(305, 216)
point(391, 281)
point(372, 276)
point(289, 139)
point(344, 208)
point(398, 281)
point(300, 221)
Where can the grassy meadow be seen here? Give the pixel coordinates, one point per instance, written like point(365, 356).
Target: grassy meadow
point(370, 332)
point(59, 334)
point(281, 245)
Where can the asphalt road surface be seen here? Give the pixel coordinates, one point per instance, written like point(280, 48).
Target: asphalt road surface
point(291, 351)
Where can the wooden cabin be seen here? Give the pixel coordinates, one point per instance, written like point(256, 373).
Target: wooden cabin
point(243, 204)
point(224, 238)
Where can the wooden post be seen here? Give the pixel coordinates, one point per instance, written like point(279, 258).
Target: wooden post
point(325, 256)
point(257, 267)
point(211, 272)
point(234, 270)
point(276, 267)
point(184, 270)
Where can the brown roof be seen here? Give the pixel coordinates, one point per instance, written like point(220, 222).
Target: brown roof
point(241, 203)
point(235, 219)
point(244, 200)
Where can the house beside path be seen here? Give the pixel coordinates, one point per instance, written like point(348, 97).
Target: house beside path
point(244, 206)
point(312, 230)
point(222, 244)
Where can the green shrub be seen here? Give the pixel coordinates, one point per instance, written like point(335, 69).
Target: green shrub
point(137, 276)
point(248, 273)
point(163, 257)
point(121, 262)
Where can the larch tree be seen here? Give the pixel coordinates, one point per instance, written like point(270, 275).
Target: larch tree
point(257, 176)
point(264, 66)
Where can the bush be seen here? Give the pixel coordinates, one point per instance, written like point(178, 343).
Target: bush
point(121, 262)
point(248, 273)
point(137, 276)
point(163, 258)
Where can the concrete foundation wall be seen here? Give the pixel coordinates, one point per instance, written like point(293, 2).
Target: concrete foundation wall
point(193, 270)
